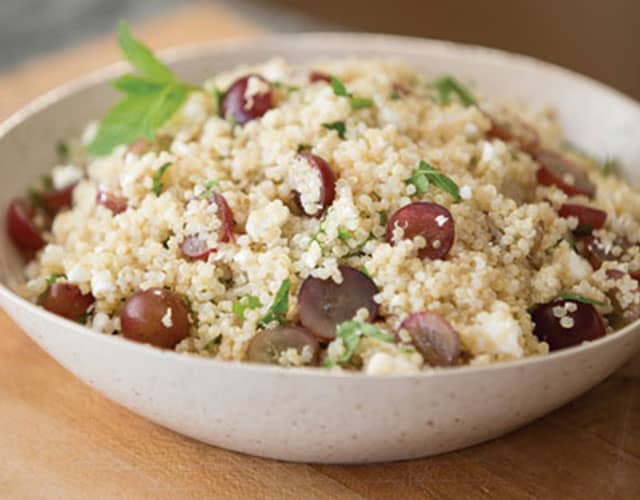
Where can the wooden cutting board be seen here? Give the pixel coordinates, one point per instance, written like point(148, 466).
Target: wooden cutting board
point(60, 439)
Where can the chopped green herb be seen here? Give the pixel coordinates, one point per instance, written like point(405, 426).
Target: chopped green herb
point(395, 96)
point(285, 86)
point(51, 280)
point(350, 332)
point(383, 218)
point(246, 302)
point(361, 102)
point(62, 149)
point(157, 185)
point(610, 166)
point(365, 271)
point(209, 188)
point(213, 342)
point(187, 299)
point(579, 298)
point(427, 174)
point(280, 307)
point(304, 148)
point(344, 234)
point(339, 127)
point(83, 319)
point(340, 90)
point(219, 95)
point(150, 100)
point(446, 85)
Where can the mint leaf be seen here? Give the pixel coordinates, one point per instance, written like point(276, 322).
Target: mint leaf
point(344, 234)
point(446, 85)
point(340, 127)
point(219, 95)
point(579, 298)
point(338, 87)
point(285, 86)
point(157, 185)
point(280, 307)
point(209, 188)
point(246, 302)
point(340, 90)
point(350, 332)
point(427, 174)
point(361, 102)
point(51, 280)
point(140, 56)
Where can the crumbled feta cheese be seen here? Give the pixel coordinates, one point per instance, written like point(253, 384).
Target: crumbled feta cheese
point(65, 175)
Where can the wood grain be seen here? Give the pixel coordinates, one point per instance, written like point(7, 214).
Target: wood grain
point(60, 439)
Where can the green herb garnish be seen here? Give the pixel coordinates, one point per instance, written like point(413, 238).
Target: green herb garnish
point(209, 188)
point(340, 127)
point(219, 95)
point(157, 177)
point(340, 90)
point(151, 99)
point(62, 149)
point(51, 280)
point(213, 342)
point(427, 174)
point(446, 85)
point(280, 307)
point(350, 332)
point(579, 298)
point(344, 234)
point(285, 86)
point(246, 302)
point(365, 271)
point(395, 96)
point(304, 148)
point(187, 299)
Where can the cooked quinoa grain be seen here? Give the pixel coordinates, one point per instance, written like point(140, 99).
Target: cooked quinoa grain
point(243, 206)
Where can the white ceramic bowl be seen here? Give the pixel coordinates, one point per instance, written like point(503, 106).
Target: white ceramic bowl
point(311, 415)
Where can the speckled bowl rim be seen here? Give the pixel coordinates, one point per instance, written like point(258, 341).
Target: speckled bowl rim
point(409, 45)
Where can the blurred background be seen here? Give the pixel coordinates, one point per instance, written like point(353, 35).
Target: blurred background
point(601, 39)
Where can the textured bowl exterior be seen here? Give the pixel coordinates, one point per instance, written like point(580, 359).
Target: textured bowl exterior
point(312, 415)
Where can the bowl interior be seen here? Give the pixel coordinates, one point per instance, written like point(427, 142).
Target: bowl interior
point(593, 116)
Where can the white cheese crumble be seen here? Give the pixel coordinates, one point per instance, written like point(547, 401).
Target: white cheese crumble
point(65, 175)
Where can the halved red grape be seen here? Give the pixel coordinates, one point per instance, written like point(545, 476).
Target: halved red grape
point(589, 218)
point(558, 170)
point(226, 217)
point(66, 300)
point(236, 106)
point(515, 131)
point(566, 323)
point(431, 221)
point(196, 248)
point(319, 76)
point(621, 316)
point(21, 227)
point(327, 184)
point(117, 204)
point(268, 345)
point(434, 338)
point(592, 249)
point(156, 316)
point(324, 304)
point(59, 199)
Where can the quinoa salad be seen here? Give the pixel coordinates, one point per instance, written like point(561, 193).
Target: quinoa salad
point(347, 214)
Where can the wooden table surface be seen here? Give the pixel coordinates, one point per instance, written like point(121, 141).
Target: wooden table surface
point(60, 439)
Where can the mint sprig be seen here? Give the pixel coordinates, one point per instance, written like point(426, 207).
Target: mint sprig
point(247, 302)
point(340, 127)
point(151, 98)
point(158, 186)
